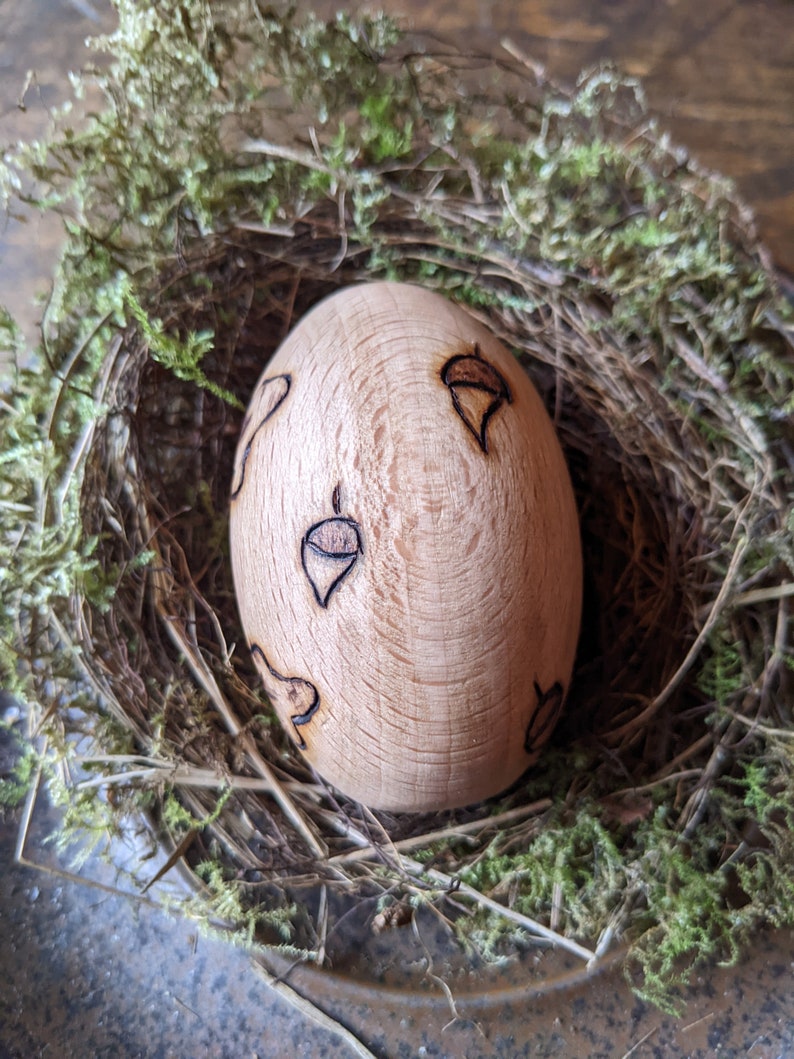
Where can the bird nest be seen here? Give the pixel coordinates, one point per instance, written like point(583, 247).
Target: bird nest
point(246, 165)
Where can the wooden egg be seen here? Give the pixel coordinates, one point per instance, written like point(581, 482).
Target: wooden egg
point(405, 550)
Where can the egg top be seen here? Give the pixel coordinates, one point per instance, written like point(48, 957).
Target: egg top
point(405, 550)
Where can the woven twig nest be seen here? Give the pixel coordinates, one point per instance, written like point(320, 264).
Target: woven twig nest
point(247, 166)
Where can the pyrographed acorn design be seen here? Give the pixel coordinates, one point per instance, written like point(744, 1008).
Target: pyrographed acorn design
point(329, 552)
point(301, 696)
point(478, 391)
point(545, 714)
point(271, 392)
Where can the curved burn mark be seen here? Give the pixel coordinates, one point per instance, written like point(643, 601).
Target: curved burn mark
point(301, 694)
point(274, 390)
point(329, 551)
point(478, 391)
point(545, 715)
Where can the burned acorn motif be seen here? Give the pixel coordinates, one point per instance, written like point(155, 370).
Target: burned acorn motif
point(478, 391)
point(329, 551)
point(405, 550)
point(299, 693)
point(270, 393)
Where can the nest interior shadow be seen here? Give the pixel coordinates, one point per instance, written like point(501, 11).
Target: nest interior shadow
point(644, 586)
point(631, 286)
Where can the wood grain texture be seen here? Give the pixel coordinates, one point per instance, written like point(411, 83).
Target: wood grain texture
point(719, 74)
point(405, 549)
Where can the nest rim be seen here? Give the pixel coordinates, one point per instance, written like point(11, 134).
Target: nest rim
point(634, 724)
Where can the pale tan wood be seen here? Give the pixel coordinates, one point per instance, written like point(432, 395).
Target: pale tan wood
point(405, 549)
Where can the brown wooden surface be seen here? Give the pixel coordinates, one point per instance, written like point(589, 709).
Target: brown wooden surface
point(720, 73)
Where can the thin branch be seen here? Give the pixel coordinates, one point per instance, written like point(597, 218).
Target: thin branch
point(287, 154)
point(177, 775)
point(531, 925)
point(763, 595)
point(442, 833)
point(673, 777)
point(756, 726)
point(639, 722)
point(315, 1014)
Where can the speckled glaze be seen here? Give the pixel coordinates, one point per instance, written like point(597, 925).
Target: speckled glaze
point(88, 972)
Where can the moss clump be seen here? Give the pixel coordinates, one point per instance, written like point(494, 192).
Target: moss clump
point(244, 165)
point(17, 766)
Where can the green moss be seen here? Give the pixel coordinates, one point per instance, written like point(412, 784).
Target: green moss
point(386, 133)
point(574, 865)
point(182, 357)
point(690, 926)
point(177, 818)
point(226, 899)
point(18, 779)
point(722, 674)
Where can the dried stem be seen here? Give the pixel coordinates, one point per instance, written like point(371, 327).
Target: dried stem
point(313, 1013)
point(425, 839)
